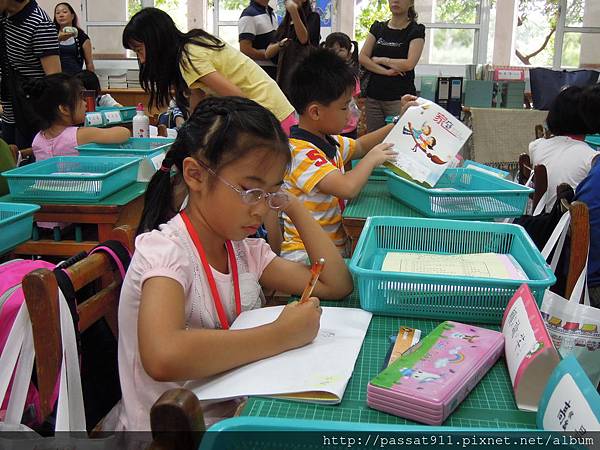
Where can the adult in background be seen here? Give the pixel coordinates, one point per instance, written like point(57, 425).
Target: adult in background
point(30, 51)
point(75, 45)
point(256, 29)
point(300, 29)
point(390, 54)
point(197, 63)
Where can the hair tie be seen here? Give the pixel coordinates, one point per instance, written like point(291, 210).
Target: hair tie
point(166, 165)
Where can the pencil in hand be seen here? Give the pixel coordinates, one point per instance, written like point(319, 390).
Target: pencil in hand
point(315, 271)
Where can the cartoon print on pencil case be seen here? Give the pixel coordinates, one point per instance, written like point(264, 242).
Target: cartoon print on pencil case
point(419, 375)
point(457, 357)
point(423, 141)
point(534, 349)
point(466, 337)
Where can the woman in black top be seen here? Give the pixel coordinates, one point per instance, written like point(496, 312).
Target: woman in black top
point(390, 54)
point(75, 47)
point(300, 28)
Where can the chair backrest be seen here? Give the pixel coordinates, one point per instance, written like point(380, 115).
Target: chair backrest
point(579, 231)
point(41, 295)
point(540, 177)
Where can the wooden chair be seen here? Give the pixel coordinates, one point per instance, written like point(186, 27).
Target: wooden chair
point(176, 417)
point(540, 177)
point(579, 232)
point(26, 153)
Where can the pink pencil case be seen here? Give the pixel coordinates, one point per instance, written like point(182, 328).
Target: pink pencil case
point(429, 381)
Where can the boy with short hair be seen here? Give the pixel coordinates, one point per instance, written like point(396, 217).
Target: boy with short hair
point(321, 90)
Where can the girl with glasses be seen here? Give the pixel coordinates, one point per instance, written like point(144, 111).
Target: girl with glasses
point(195, 269)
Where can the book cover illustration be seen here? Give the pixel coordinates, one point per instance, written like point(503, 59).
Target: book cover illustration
point(427, 139)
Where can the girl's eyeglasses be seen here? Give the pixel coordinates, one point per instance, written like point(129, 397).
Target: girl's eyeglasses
point(275, 200)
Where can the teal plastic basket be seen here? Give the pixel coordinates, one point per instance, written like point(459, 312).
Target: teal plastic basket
point(268, 433)
point(16, 223)
point(127, 112)
point(377, 173)
point(444, 297)
point(134, 147)
point(462, 194)
point(593, 140)
point(77, 178)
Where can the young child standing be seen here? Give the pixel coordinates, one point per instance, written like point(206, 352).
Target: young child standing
point(194, 271)
point(197, 63)
point(347, 49)
point(321, 90)
point(58, 100)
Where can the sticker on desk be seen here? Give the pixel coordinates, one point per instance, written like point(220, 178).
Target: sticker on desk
point(113, 116)
point(570, 402)
point(93, 119)
point(530, 354)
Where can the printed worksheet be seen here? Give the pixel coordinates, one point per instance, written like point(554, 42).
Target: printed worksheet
point(482, 265)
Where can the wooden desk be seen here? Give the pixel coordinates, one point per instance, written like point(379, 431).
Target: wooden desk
point(373, 200)
point(491, 404)
point(122, 208)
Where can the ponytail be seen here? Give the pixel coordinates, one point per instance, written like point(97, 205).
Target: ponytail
point(220, 130)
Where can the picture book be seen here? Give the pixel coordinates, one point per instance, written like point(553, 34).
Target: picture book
point(482, 265)
point(317, 372)
point(530, 354)
point(430, 380)
point(427, 139)
point(570, 402)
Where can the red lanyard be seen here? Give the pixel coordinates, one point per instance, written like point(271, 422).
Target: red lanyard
point(211, 279)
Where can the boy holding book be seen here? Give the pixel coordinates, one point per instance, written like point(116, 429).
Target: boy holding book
point(321, 90)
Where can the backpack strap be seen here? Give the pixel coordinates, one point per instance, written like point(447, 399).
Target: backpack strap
point(118, 253)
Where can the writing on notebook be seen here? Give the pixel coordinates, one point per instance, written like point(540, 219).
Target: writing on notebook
point(482, 265)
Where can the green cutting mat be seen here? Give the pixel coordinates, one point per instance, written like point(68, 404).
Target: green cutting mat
point(491, 404)
point(375, 200)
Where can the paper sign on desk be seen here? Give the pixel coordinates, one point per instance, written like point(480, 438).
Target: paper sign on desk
point(427, 139)
point(149, 166)
point(570, 402)
point(113, 116)
point(530, 354)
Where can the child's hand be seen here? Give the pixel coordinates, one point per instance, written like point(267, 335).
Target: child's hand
point(298, 323)
point(380, 154)
point(406, 102)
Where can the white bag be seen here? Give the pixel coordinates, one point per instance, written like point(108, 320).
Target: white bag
point(19, 352)
point(574, 327)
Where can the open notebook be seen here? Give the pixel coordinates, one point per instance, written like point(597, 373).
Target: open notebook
point(317, 372)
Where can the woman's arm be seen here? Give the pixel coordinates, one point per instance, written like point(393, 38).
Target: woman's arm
point(299, 26)
point(367, 62)
point(87, 55)
point(114, 135)
point(286, 276)
point(51, 64)
point(274, 48)
point(404, 65)
point(170, 352)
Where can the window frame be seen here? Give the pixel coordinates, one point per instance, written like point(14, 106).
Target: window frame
point(561, 30)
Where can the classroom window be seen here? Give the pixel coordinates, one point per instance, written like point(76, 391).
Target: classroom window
point(451, 46)
point(557, 33)
point(226, 14)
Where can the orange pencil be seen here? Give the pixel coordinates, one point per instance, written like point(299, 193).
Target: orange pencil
point(315, 271)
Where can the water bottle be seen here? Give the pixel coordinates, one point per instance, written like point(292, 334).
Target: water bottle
point(141, 123)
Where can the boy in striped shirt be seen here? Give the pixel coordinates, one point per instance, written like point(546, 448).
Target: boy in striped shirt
point(321, 90)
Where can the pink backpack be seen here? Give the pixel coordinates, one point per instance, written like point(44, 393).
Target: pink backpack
point(11, 299)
